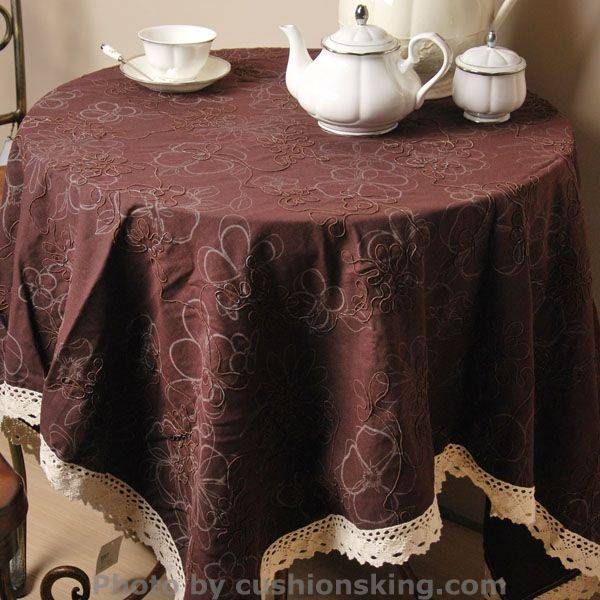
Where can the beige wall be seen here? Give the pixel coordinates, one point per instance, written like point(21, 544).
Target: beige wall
point(559, 38)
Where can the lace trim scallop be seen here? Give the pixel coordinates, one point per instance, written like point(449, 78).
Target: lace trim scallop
point(20, 403)
point(518, 504)
point(397, 544)
point(22, 434)
point(121, 506)
point(376, 547)
point(131, 514)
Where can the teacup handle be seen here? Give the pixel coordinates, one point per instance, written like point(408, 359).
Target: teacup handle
point(413, 59)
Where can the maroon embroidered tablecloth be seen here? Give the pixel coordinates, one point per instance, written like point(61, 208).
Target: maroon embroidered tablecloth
point(230, 325)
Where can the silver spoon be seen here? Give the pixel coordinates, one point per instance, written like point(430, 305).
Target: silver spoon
point(116, 55)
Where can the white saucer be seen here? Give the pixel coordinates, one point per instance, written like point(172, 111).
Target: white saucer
point(215, 68)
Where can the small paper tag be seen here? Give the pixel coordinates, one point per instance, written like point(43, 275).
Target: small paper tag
point(5, 151)
point(108, 555)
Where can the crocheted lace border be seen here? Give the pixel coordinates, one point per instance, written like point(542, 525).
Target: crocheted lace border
point(131, 514)
point(121, 506)
point(397, 544)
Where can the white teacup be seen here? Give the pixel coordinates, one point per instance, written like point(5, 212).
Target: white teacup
point(177, 52)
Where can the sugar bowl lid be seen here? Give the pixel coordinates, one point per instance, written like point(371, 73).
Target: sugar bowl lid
point(361, 38)
point(491, 59)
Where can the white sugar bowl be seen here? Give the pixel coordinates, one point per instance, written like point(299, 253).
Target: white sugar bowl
point(489, 82)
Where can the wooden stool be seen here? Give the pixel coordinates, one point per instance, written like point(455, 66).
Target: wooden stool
point(13, 511)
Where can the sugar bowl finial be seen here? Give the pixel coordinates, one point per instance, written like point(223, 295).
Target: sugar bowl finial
point(491, 39)
point(361, 14)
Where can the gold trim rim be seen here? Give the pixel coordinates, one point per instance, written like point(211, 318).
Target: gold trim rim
point(394, 48)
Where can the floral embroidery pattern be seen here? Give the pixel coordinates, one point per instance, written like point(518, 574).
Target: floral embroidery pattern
point(107, 112)
point(316, 303)
point(369, 471)
point(390, 266)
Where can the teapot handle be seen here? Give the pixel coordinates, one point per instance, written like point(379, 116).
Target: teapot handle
point(502, 13)
point(413, 59)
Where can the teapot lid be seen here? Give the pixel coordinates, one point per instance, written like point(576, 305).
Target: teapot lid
point(491, 59)
point(361, 38)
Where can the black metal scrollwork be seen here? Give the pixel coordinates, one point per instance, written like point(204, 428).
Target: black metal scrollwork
point(9, 28)
point(83, 593)
point(66, 572)
point(13, 31)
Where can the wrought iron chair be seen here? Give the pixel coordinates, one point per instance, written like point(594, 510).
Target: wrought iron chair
point(12, 516)
point(14, 31)
point(13, 22)
point(13, 507)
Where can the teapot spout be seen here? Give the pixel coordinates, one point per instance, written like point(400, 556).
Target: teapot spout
point(299, 58)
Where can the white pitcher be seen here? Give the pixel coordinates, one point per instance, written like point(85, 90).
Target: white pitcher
point(462, 23)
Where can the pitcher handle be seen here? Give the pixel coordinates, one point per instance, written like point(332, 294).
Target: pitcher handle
point(413, 59)
point(502, 13)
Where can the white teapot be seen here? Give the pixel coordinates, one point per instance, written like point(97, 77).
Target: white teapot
point(359, 84)
point(462, 23)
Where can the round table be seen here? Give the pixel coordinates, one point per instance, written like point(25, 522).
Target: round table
point(247, 341)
